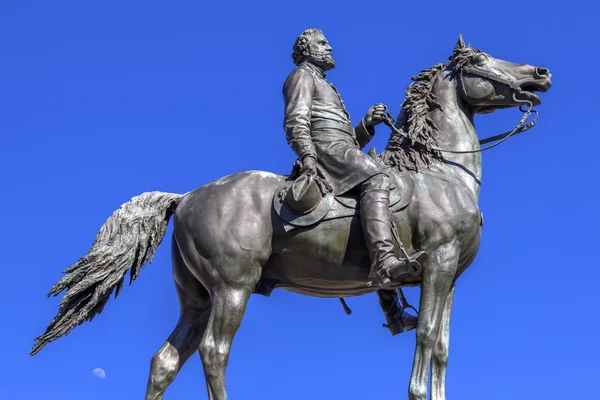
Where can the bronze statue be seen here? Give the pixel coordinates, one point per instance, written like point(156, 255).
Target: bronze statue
point(241, 234)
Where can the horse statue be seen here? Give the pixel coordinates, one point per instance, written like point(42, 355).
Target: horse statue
point(231, 238)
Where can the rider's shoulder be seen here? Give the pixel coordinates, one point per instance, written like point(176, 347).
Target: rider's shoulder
point(300, 73)
point(299, 78)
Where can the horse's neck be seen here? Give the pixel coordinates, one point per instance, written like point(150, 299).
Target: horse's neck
point(456, 132)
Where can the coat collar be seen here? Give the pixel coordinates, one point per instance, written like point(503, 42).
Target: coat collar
point(317, 70)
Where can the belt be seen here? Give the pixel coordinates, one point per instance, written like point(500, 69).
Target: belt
point(320, 124)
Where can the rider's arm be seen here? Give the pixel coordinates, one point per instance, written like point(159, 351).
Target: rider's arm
point(298, 92)
point(363, 134)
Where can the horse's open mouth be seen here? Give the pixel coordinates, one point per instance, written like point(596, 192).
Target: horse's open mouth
point(529, 89)
point(534, 87)
point(528, 96)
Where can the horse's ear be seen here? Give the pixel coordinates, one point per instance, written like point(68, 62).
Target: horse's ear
point(461, 42)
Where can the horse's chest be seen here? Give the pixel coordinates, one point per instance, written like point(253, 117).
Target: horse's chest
point(443, 212)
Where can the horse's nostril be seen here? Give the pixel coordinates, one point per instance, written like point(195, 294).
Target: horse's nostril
point(541, 72)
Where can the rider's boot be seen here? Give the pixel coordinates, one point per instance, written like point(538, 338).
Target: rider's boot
point(375, 219)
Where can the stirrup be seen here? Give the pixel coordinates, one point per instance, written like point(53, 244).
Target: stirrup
point(400, 266)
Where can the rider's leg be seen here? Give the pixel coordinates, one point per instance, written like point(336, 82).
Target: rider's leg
point(375, 219)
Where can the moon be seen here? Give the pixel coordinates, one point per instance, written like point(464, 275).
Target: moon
point(99, 372)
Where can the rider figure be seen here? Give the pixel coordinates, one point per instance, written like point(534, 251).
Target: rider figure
point(319, 130)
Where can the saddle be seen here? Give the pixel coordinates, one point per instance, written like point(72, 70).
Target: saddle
point(305, 200)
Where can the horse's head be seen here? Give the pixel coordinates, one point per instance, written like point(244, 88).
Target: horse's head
point(487, 84)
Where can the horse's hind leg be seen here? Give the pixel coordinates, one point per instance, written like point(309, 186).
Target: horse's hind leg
point(194, 301)
point(439, 359)
point(178, 348)
point(228, 307)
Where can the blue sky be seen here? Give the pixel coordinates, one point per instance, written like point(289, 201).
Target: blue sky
point(101, 101)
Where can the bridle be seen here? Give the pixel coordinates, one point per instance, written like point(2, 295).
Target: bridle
point(519, 128)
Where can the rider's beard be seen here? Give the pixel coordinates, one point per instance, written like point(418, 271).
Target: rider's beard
point(323, 60)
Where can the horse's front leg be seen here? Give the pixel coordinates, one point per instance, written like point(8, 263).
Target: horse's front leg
point(438, 276)
point(439, 359)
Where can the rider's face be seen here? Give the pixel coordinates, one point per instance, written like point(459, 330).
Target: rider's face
point(320, 52)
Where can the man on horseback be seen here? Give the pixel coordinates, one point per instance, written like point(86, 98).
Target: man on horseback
point(319, 130)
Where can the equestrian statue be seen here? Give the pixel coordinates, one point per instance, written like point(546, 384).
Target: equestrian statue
point(343, 223)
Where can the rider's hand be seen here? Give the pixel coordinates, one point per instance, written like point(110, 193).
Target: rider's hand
point(309, 165)
point(375, 115)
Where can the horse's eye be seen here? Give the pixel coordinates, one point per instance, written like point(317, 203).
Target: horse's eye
point(479, 60)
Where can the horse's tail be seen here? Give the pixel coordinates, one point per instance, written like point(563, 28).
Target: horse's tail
point(126, 241)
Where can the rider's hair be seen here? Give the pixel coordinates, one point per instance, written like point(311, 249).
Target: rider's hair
point(301, 50)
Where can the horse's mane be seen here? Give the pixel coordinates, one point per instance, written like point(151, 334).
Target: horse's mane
point(414, 120)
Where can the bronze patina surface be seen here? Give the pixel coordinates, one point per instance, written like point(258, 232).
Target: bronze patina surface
point(228, 241)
